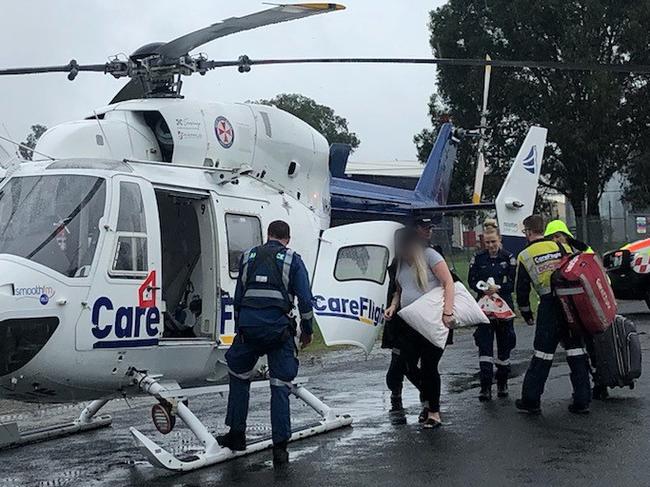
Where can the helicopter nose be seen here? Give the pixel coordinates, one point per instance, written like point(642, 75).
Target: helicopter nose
point(21, 339)
point(29, 314)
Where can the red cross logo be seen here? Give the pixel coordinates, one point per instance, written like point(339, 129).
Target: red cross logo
point(224, 132)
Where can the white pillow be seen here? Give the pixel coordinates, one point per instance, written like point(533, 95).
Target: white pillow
point(425, 314)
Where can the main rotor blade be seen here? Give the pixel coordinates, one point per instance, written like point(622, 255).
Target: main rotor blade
point(53, 69)
point(570, 66)
point(282, 13)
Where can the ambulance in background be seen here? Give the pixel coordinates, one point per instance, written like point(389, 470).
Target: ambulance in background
point(629, 270)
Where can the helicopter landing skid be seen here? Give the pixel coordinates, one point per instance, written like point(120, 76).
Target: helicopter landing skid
point(12, 437)
point(212, 453)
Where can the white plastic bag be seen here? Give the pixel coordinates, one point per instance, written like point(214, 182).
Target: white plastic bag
point(425, 314)
point(495, 307)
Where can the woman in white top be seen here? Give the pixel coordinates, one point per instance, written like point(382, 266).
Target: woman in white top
point(420, 270)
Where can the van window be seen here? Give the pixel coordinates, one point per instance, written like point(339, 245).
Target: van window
point(244, 232)
point(361, 263)
point(130, 258)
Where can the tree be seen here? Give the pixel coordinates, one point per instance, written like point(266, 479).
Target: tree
point(32, 138)
point(594, 118)
point(320, 117)
point(636, 189)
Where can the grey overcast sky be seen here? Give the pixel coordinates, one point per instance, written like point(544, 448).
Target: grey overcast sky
point(384, 105)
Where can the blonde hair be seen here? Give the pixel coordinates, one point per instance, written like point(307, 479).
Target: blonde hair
point(420, 264)
point(490, 225)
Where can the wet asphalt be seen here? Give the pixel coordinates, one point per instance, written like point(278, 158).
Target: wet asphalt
point(480, 444)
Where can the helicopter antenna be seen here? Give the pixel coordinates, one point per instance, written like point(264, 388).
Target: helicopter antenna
point(26, 147)
point(101, 129)
point(480, 163)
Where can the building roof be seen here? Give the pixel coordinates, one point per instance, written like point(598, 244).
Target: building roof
point(411, 169)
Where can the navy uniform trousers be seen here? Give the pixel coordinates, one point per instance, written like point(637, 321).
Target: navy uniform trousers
point(551, 330)
point(249, 345)
point(504, 332)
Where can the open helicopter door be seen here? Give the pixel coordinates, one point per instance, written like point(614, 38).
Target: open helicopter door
point(350, 282)
point(125, 308)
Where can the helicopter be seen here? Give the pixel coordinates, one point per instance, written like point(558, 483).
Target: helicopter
point(120, 242)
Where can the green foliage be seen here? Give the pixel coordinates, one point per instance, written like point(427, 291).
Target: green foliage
point(321, 117)
point(32, 138)
point(596, 120)
point(637, 186)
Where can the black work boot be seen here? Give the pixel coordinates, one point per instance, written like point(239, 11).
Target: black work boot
point(578, 408)
point(502, 388)
point(280, 454)
point(600, 392)
point(235, 440)
point(396, 405)
point(527, 407)
point(486, 394)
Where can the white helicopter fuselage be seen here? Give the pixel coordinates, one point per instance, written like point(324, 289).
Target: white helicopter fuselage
point(91, 293)
point(120, 253)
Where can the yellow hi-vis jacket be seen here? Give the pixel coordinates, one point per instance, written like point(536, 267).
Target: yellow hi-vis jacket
point(535, 266)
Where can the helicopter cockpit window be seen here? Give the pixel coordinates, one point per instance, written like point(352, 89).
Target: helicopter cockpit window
point(53, 220)
point(244, 233)
point(130, 256)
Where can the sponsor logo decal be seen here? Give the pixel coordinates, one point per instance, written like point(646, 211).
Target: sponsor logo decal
point(186, 128)
point(42, 293)
point(224, 132)
point(530, 160)
point(127, 326)
point(363, 309)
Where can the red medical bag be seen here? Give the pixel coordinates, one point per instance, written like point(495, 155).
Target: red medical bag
point(587, 298)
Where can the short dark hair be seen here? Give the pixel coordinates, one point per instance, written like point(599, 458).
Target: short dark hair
point(534, 223)
point(278, 229)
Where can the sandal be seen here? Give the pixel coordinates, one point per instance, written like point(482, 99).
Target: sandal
point(431, 423)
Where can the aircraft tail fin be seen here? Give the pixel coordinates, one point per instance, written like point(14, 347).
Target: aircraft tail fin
point(516, 199)
point(436, 178)
point(339, 154)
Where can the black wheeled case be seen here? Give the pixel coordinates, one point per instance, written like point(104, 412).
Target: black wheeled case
point(618, 354)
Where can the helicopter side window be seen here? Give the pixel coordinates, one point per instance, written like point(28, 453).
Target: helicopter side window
point(359, 263)
point(130, 256)
point(244, 232)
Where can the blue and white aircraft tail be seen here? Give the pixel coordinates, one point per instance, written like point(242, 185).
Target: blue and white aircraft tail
point(516, 200)
point(361, 201)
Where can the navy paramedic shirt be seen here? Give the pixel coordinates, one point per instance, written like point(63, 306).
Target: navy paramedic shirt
point(502, 268)
point(274, 316)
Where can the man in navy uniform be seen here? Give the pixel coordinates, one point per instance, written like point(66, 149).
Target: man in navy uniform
point(271, 276)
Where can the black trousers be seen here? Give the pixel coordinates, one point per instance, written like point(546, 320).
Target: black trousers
point(416, 359)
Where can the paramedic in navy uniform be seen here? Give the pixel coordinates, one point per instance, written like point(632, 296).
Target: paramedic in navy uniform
point(501, 265)
point(270, 276)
